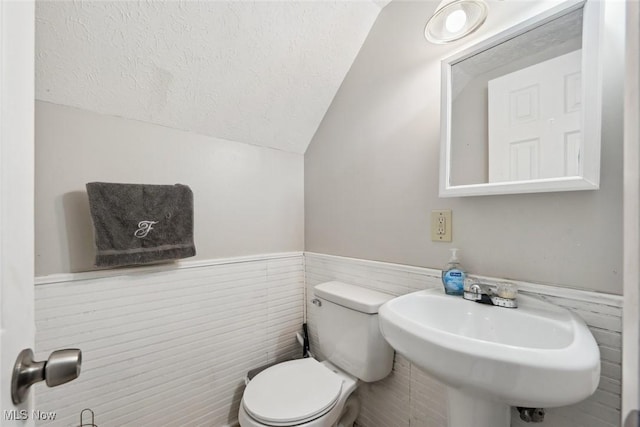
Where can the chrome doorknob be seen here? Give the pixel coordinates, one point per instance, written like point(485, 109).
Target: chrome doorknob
point(61, 367)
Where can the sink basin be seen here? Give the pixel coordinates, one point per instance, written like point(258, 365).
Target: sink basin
point(538, 355)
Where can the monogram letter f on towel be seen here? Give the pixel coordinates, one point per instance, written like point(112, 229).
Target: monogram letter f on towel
point(140, 224)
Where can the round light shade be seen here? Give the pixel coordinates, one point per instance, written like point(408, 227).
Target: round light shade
point(454, 20)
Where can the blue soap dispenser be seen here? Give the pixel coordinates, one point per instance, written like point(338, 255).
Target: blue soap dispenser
point(453, 275)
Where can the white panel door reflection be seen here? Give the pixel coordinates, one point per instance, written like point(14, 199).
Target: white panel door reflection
point(534, 121)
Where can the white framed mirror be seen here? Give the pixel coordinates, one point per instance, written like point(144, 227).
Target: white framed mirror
point(521, 111)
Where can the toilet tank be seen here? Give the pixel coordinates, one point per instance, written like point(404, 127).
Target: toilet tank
point(348, 330)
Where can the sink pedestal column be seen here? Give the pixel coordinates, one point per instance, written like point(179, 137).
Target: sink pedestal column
point(467, 409)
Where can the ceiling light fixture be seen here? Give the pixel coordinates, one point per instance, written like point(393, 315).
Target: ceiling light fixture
point(455, 19)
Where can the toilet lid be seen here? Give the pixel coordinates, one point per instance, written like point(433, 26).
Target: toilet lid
point(292, 392)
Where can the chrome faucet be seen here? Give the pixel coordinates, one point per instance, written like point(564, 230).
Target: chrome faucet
point(501, 295)
point(476, 290)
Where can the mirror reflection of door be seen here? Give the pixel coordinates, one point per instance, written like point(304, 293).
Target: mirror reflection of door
point(534, 121)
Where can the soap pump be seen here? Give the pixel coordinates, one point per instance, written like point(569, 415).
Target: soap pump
point(453, 275)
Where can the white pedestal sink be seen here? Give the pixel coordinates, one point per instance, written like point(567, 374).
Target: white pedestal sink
point(538, 355)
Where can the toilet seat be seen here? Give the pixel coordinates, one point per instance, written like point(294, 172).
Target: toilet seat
point(292, 393)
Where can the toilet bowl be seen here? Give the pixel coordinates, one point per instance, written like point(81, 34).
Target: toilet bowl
point(301, 392)
point(309, 393)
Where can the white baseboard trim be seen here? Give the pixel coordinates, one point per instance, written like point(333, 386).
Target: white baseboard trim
point(178, 265)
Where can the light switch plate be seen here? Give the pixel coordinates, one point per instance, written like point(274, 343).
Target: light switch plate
point(441, 225)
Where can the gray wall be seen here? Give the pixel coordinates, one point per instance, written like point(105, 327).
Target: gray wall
point(248, 199)
point(371, 174)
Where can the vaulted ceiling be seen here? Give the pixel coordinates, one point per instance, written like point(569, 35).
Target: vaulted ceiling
point(258, 72)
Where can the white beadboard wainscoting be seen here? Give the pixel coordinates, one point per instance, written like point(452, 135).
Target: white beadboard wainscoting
point(167, 345)
point(170, 345)
point(411, 398)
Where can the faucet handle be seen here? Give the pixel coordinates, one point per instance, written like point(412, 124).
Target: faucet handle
point(477, 288)
point(507, 290)
point(468, 282)
point(473, 289)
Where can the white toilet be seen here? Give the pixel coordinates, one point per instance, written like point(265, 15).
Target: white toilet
point(308, 393)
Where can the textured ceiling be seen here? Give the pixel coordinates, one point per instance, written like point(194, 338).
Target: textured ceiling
point(556, 37)
point(260, 72)
point(566, 29)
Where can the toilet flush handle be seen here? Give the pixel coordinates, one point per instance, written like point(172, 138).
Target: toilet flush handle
point(316, 302)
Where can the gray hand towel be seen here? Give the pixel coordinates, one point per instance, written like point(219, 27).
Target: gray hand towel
point(140, 224)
